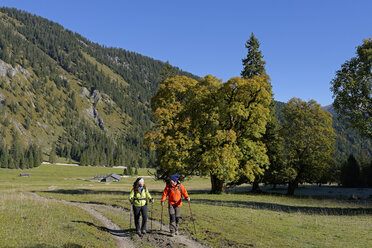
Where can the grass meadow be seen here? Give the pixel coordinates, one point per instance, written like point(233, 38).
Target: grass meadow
point(226, 220)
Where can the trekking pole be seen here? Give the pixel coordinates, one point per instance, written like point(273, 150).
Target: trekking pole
point(161, 220)
point(152, 208)
point(130, 216)
point(192, 217)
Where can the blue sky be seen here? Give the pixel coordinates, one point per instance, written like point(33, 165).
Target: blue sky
point(303, 42)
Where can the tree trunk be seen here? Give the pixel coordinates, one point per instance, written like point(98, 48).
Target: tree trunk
point(217, 185)
point(292, 186)
point(256, 187)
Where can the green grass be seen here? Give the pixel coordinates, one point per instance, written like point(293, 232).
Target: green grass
point(235, 220)
point(265, 221)
point(29, 222)
point(60, 176)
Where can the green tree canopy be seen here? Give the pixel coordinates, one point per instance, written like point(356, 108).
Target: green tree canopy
point(352, 90)
point(308, 141)
point(211, 128)
point(171, 136)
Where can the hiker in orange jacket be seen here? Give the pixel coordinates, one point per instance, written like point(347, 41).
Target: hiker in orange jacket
point(174, 190)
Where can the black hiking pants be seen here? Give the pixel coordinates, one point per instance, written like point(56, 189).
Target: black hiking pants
point(137, 212)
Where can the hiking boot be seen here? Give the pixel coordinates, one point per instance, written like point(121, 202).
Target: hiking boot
point(144, 232)
point(139, 233)
point(176, 233)
point(173, 234)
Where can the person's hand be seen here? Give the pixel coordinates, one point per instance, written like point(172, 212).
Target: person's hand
point(152, 200)
point(162, 203)
point(131, 201)
point(188, 199)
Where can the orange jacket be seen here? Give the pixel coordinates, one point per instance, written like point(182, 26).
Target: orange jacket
point(174, 192)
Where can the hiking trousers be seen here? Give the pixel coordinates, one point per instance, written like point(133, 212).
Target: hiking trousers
point(137, 213)
point(174, 218)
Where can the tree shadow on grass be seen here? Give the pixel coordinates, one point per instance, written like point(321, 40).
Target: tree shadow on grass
point(108, 192)
point(118, 233)
point(85, 192)
point(67, 245)
point(40, 246)
point(285, 208)
point(124, 232)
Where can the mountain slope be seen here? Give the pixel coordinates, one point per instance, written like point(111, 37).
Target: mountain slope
point(55, 83)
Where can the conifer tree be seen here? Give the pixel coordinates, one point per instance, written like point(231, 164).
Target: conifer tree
point(253, 63)
point(366, 175)
point(11, 164)
point(52, 154)
point(5, 160)
point(369, 176)
point(16, 150)
point(350, 173)
point(3, 156)
point(167, 71)
point(30, 158)
point(84, 159)
point(110, 159)
point(38, 156)
point(130, 170)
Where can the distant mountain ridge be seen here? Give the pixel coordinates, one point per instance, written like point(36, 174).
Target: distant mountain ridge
point(84, 101)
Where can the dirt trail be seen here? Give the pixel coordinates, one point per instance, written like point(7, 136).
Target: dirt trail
point(155, 237)
point(124, 238)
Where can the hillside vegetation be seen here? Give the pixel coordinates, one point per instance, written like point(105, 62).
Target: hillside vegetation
point(56, 87)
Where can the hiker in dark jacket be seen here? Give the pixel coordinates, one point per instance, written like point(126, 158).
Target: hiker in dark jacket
point(139, 196)
point(174, 190)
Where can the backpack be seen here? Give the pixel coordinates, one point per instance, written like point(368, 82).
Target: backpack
point(171, 188)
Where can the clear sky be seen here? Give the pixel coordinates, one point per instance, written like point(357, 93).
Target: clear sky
point(303, 42)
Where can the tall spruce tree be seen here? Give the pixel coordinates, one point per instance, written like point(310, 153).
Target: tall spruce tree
point(253, 63)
